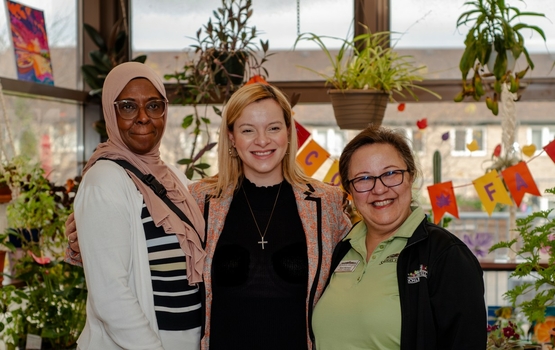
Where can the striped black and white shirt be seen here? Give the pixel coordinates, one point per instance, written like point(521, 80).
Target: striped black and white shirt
point(177, 305)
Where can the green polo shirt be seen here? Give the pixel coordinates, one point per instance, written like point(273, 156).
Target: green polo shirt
point(360, 308)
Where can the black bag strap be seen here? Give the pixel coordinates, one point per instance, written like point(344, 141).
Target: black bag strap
point(158, 189)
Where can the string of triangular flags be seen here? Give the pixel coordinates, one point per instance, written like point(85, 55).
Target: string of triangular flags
point(489, 187)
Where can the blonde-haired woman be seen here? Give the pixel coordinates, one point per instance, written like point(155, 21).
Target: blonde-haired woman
point(271, 229)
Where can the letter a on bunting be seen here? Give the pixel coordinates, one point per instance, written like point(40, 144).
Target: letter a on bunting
point(491, 191)
point(519, 181)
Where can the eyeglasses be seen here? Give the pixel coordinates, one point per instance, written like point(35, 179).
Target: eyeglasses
point(128, 110)
point(367, 183)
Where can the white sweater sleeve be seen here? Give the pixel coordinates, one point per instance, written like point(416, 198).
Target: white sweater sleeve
point(106, 216)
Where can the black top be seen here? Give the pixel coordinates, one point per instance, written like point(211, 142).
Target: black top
point(259, 295)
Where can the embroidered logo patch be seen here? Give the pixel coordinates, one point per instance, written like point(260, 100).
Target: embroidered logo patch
point(414, 277)
point(390, 259)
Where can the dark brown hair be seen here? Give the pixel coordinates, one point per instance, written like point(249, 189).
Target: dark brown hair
point(372, 135)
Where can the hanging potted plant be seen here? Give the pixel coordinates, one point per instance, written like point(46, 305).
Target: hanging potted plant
point(228, 42)
point(495, 40)
point(366, 73)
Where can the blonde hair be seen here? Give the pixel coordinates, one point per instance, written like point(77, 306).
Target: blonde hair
point(230, 171)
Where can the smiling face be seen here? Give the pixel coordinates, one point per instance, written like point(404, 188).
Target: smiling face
point(384, 209)
point(260, 137)
point(141, 134)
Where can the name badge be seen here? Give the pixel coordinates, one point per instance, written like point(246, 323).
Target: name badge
point(347, 266)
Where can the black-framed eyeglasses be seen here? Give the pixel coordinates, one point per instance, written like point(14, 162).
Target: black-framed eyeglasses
point(367, 183)
point(128, 109)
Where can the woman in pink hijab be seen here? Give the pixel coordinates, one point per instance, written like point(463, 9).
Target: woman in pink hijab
point(142, 263)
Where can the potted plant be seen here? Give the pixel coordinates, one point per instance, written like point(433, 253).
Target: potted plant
point(495, 39)
point(535, 240)
point(366, 74)
point(111, 52)
point(228, 44)
point(47, 297)
point(195, 88)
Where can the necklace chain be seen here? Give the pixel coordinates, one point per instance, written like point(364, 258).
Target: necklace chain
point(262, 241)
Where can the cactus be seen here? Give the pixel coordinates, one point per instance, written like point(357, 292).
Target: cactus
point(437, 175)
point(437, 167)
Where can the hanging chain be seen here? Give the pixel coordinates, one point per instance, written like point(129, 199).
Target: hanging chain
point(298, 17)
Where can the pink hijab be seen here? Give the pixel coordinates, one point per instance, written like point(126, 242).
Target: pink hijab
point(151, 163)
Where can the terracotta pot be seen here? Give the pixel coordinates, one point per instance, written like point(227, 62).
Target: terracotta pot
point(356, 109)
point(5, 193)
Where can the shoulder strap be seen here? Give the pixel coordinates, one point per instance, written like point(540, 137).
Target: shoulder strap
point(157, 188)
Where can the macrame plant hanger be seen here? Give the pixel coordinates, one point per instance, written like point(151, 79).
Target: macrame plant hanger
point(298, 17)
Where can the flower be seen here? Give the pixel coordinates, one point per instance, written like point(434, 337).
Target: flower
point(478, 242)
point(503, 336)
point(547, 249)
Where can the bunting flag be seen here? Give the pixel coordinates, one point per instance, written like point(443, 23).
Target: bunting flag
point(550, 150)
point(443, 200)
point(519, 181)
point(311, 157)
point(490, 187)
point(491, 191)
point(302, 134)
point(332, 177)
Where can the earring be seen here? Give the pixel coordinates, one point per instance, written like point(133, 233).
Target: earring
point(233, 152)
point(287, 152)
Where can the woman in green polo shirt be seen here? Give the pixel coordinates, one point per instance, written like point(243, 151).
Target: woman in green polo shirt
point(399, 281)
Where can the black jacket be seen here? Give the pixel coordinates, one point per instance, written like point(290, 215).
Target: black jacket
point(441, 289)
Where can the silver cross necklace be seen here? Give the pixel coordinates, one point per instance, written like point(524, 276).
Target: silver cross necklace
point(262, 235)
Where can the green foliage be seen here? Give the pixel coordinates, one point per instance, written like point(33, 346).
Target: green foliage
point(494, 27)
point(111, 52)
point(219, 42)
point(536, 232)
point(367, 62)
point(230, 37)
point(52, 297)
point(195, 87)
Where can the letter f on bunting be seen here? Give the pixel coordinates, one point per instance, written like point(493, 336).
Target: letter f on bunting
point(491, 191)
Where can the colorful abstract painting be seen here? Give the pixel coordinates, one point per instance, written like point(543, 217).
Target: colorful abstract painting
point(30, 42)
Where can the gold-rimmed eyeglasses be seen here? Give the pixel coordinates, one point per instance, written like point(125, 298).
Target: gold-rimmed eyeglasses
point(128, 109)
point(367, 183)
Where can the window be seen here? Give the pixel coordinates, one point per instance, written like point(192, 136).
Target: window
point(330, 139)
point(416, 138)
point(44, 131)
point(540, 136)
point(465, 136)
point(165, 30)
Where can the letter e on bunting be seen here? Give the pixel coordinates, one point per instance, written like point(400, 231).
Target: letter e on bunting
point(443, 200)
point(332, 177)
point(312, 157)
point(519, 181)
point(491, 191)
